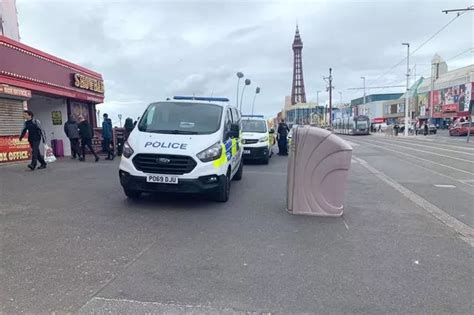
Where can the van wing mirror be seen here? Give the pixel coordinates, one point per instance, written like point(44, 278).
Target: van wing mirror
point(234, 131)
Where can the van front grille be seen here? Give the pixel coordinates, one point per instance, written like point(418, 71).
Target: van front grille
point(164, 164)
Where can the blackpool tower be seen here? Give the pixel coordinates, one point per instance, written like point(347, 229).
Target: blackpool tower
point(297, 91)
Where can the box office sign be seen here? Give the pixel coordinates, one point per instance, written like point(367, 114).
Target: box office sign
point(12, 149)
point(57, 118)
point(15, 92)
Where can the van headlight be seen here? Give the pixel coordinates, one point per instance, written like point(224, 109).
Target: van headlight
point(210, 154)
point(127, 150)
point(263, 139)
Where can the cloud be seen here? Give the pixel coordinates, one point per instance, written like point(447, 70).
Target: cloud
point(243, 32)
point(150, 50)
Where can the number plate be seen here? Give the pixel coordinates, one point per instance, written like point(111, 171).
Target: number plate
point(162, 179)
point(246, 151)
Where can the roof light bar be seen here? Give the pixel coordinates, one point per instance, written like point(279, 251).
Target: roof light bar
point(250, 116)
point(201, 98)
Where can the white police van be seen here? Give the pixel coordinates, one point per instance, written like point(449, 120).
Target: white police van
point(184, 145)
point(258, 139)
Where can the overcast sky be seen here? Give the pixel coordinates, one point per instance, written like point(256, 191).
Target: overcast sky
point(149, 50)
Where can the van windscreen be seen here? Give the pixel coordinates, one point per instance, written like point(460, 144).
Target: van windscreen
point(181, 118)
point(253, 125)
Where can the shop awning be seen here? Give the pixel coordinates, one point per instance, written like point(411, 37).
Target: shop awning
point(25, 67)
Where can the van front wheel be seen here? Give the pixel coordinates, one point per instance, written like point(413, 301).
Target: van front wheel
point(132, 194)
point(238, 175)
point(223, 191)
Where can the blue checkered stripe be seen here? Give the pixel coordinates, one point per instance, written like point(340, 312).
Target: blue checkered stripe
point(228, 149)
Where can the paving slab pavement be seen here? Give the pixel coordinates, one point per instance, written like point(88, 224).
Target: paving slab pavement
point(73, 243)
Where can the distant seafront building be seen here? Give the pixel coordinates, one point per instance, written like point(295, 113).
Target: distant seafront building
point(9, 19)
point(441, 99)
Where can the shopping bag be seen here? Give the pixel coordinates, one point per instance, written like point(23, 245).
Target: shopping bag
point(48, 154)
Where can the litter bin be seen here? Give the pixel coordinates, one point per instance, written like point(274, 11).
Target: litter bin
point(58, 147)
point(318, 167)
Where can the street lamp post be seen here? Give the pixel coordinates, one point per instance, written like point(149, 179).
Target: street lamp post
point(240, 75)
point(257, 91)
point(363, 78)
point(408, 87)
point(247, 82)
point(120, 119)
point(317, 101)
point(296, 113)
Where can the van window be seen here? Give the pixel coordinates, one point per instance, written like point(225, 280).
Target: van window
point(227, 124)
point(181, 118)
point(235, 116)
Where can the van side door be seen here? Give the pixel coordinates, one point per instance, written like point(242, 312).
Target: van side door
point(237, 119)
point(227, 140)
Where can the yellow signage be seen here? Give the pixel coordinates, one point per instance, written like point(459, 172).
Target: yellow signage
point(87, 83)
point(57, 118)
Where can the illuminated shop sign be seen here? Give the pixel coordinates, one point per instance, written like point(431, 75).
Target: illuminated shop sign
point(87, 83)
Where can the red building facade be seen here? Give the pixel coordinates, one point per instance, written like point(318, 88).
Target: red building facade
point(51, 87)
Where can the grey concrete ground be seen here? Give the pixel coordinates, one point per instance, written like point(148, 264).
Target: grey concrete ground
point(71, 242)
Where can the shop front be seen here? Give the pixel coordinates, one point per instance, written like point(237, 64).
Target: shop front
point(447, 98)
point(393, 111)
point(52, 88)
point(12, 102)
point(451, 103)
point(377, 120)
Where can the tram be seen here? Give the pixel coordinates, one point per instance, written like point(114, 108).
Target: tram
point(358, 125)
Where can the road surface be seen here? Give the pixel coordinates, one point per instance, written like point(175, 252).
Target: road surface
point(71, 242)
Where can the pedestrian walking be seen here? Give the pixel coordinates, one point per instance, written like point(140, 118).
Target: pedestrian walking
point(282, 138)
point(107, 136)
point(129, 125)
point(396, 128)
point(35, 136)
point(425, 129)
point(85, 131)
point(71, 129)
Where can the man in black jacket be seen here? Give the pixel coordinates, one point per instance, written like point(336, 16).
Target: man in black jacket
point(71, 129)
point(282, 138)
point(35, 135)
point(85, 131)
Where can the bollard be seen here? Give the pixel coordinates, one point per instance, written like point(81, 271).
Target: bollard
point(318, 167)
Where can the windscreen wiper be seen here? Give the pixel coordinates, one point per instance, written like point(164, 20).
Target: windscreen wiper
point(175, 132)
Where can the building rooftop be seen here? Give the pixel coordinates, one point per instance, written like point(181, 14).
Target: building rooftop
point(453, 77)
point(375, 97)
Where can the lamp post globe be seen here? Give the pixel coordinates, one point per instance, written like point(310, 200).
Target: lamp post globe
point(257, 91)
point(247, 82)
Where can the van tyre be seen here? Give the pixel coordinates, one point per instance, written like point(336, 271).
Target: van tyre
point(132, 194)
point(238, 175)
point(223, 192)
point(265, 160)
